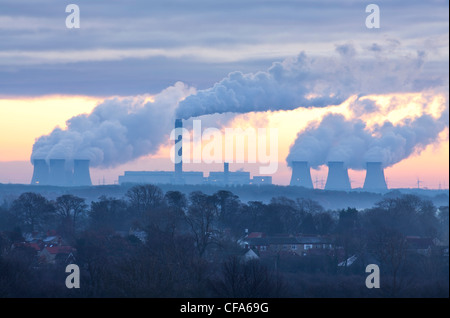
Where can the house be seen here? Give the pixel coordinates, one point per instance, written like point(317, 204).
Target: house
point(285, 244)
point(349, 261)
point(57, 254)
point(420, 245)
point(36, 246)
point(249, 255)
point(140, 234)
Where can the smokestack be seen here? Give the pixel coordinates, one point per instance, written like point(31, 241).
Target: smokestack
point(374, 177)
point(57, 172)
point(40, 172)
point(301, 175)
point(81, 175)
point(226, 171)
point(179, 143)
point(337, 178)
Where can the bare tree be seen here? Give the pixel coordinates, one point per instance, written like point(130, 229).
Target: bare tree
point(390, 248)
point(144, 198)
point(201, 217)
point(32, 210)
point(70, 208)
point(251, 279)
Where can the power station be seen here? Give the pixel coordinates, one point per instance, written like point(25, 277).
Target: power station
point(337, 178)
point(178, 176)
point(40, 172)
point(375, 179)
point(58, 172)
point(301, 175)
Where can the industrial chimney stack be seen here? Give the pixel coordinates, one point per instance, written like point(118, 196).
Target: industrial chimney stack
point(40, 172)
point(81, 175)
point(301, 174)
point(337, 178)
point(374, 177)
point(226, 172)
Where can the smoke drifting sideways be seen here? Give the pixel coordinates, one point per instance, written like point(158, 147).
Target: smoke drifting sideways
point(304, 81)
point(121, 130)
point(117, 131)
point(336, 138)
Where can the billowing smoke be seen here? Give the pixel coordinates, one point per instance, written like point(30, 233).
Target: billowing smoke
point(117, 130)
point(336, 138)
point(306, 81)
point(120, 130)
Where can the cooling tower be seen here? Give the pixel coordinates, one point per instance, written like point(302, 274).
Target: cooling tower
point(301, 175)
point(81, 175)
point(374, 177)
point(337, 178)
point(57, 172)
point(179, 143)
point(40, 172)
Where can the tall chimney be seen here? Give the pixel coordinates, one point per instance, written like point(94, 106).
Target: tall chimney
point(374, 177)
point(57, 172)
point(226, 172)
point(301, 174)
point(40, 172)
point(337, 178)
point(81, 175)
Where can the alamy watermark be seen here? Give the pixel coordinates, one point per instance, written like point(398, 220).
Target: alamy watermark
point(211, 145)
point(373, 19)
point(373, 279)
point(73, 19)
point(73, 279)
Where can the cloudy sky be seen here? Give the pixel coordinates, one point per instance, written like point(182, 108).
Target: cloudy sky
point(49, 73)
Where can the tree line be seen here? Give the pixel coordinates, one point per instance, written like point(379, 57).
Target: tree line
point(191, 246)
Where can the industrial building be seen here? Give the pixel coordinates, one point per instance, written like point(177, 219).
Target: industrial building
point(178, 176)
point(301, 175)
point(375, 179)
point(59, 172)
point(337, 178)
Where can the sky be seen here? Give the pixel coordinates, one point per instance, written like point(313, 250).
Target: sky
point(260, 64)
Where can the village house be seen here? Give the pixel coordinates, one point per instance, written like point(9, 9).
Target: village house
point(57, 254)
point(286, 244)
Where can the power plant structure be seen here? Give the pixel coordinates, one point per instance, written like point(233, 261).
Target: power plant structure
point(40, 172)
point(61, 172)
point(375, 179)
point(58, 173)
point(301, 174)
point(337, 178)
point(81, 174)
point(178, 176)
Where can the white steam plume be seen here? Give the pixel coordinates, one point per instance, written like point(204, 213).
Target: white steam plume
point(306, 81)
point(338, 139)
point(117, 130)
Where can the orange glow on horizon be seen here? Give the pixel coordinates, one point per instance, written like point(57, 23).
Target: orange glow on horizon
point(22, 120)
